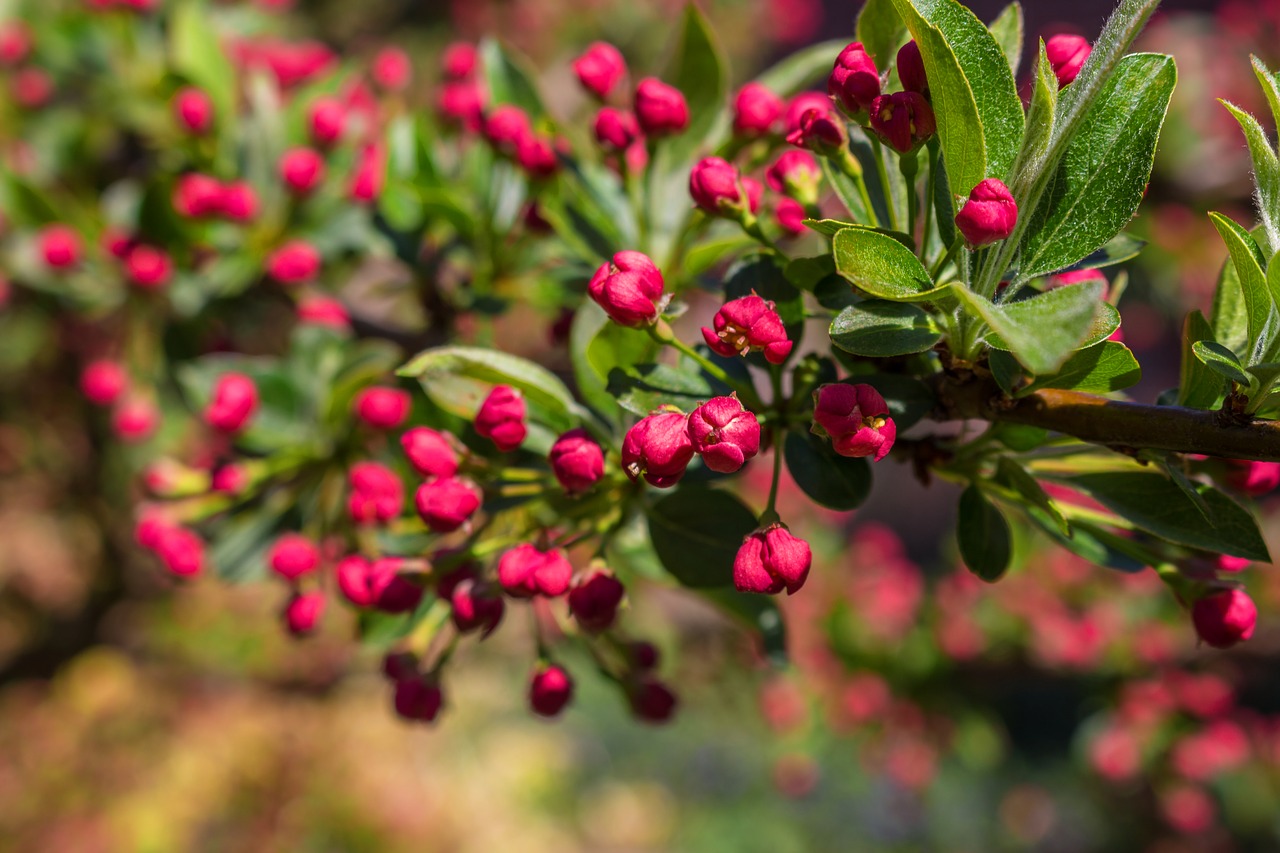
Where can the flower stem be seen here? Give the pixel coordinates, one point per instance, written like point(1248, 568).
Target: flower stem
point(883, 172)
point(661, 332)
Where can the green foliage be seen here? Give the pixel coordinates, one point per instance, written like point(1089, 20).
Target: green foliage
point(830, 480)
point(1041, 331)
point(982, 532)
point(696, 533)
point(879, 329)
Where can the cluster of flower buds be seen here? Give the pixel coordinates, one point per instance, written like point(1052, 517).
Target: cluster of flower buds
point(856, 420)
point(30, 85)
point(135, 417)
point(660, 446)
point(200, 196)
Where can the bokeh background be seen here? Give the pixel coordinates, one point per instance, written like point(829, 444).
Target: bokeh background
point(1067, 708)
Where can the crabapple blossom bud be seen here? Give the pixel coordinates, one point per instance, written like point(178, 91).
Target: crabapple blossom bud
point(302, 170)
point(797, 174)
point(790, 215)
point(724, 433)
point(771, 560)
point(756, 109)
point(506, 127)
point(594, 600)
point(1228, 563)
point(60, 246)
point(369, 175)
point(651, 700)
point(149, 529)
point(239, 201)
point(148, 267)
point(660, 109)
point(196, 195)
point(820, 131)
point(854, 82)
point(295, 262)
point(327, 120)
point(629, 289)
point(717, 188)
point(745, 325)
point(1067, 55)
point(911, 68)
point(461, 104)
point(801, 104)
point(326, 311)
point(418, 699)
point(550, 690)
point(600, 68)
point(234, 400)
point(904, 120)
point(577, 461)
point(377, 495)
point(32, 87)
point(229, 479)
point(536, 156)
point(116, 243)
point(642, 655)
point(1254, 479)
point(855, 418)
point(658, 447)
point(135, 419)
point(477, 606)
point(432, 454)
point(501, 418)
point(15, 42)
point(526, 571)
point(616, 129)
point(194, 110)
point(302, 613)
point(378, 584)
point(1225, 617)
point(989, 215)
point(103, 381)
point(392, 69)
point(181, 550)
point(447, 503)
point(293, 556)
point(459, 61)
point(399, 666)
point(382, 408)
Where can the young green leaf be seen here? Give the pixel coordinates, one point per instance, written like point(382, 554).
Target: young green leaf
point(1015, 478)
point(1219, 358)
point(829, 479)
point(1270, 86)
point(696, 534)
point(642, 388)
point(197, 55)
point(1100, 369)
point(698, 71)
point(1040, 114)
point(507, 81)
point(878, 329)
point(1199, 386)
point(1266, 176)
point(1041, 331)
point(983, 534)
point(881, 266)
point(1007, 29)
point(881, 31)
point(1259, 306)
point(598, 346)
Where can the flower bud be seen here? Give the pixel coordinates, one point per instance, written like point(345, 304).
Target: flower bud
point(904, 120)
point(369, 174)
point(1225, 617)
point(756, 109)
point(616, 129)
point(377, 495)
point(477, 606)
point(316, 310)
point(194, 110)
point(594, 601)
point(447, 503)
point(150, 527)
point(239, 202)
point(379, 584)
point(116, 242)
point(60, 247)
point(600, 68)
point(651, 700)
point(148, 267)
point(1254, 479)
point(801, 104)
point(1067, 55)
point(911, 68)
point(432, 454)
point(293, 556)
point(196, 195)
point(135, 419)
point(989, 215)
point(418, 699)
point(229, 479)
point(536, 156)
point(295, 262)
point(854, 82)
point(745, 325)
point(15, 42)
point(629, 289)
point(32, 87)
point(327, 120)
point(501, 418)
point(399, 666)
point(234, 400)
point(461, 104)
point(642, 655)
point(660, 109)
point(716, 188)
point(577, 461)
point(550, 690)
point(382, 408)
point(771, 560)
point(392, 69)
point(790, 215)
point(103, 381)
point(820, 131)
point(181, 550)
point(526, 571)
point(724, 433)
point(459, 61)
point(302, 170)
point(506, 127)
point(797, 174)
point(855, 418)
point(302, 613)
point(658, 448)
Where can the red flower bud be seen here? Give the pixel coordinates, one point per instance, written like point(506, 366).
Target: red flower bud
point(196, 195)
point(477, 606)
point(392, 69)
point(550, 690)
point(400, 666)
point(506, 127)
point(378, 584)
point(651, 700)
point(447, 503)
point(302, 613)
point(60, 246)
point(854, 82)
point(501, 418)
point(15, 42)
point(526, 571)
point(323, 311)
point(801, 104)
point(756, 109)
point(234, 400)
point(724, 433)
point(791, 216)
point(181, 550)
point(32, 87)
point(459, 61)
point(658, 448)
point(293, 556)
point(377, 495)
point(418, 699)
point(716, 188)
point(911, 68)
point(370, 173)
point(116, 243)
point(903, 119)
point(433, 454)
point(797, 174)
point(302, 170)
point(1255, 479)
point(771, 560)
point(629, 289)
point(1225, 617)
point(103, 381)
point(135, 419)
point(536, 156)
point(295, 262)
point(642, 655)
point(577, 461)
point(148, 267)
point(660, 109)
point(989, 215)
point(382, 408)
point(461, 104)
point(855, 418)
point(151, 526)
point(594, 601)
point(820, 131)
point(327, 119)
point(194, 110)
point(745, 325)
point(600, 68)
point(1067, 55)
point(239, 202)
point(229, 479)
point(616, 129)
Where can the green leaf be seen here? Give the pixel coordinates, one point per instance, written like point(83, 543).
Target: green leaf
point(1230, 314)
point(1041, 331)
point(1100, 369)
point(908, 399)
point(1104, 325)
point(1157, 505)
point(1041, 113)
point(881, 31)
point(829, 479)
point(881, 266)
point(642, 388)
point(507, 81)
point(197, 55)
point(1199, 387)
point(1222, 360)
point(974, 96)
point(801, 69)
point(986, 544)
point(1270, 86)
point(1266, 176)
point(1103, 174)
point(1007, 29)
point(239, 544)
point(699, 73)
point(697, 532)
point(878, 329)
point(599, 346)
point(1259, 307)
point(1015, 478)
point(944, 203)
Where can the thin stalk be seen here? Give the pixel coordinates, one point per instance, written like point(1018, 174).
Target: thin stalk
point(883, 171)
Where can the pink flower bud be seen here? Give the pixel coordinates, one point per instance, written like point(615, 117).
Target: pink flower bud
point(399, 666)
point(526, 571)
point(150, 528)
point(459, 61)
point(377, 495)
point(1225, 617)
point(651, 700)
point(855, 418)
point(302, 170)
point(295, 262)
point(477, 606)
point(629, 289)
point(745, 325)
point(432, 454)
point(854, 82)
point(616, 129)
point(716, 188)
point(501, 418)
point(660, 109)
point(194, 110)
point(293, 556)
point(1254, 479)
point(379, 584)
point(239, 201)
point(797, 174)
point(820, 131)
point(326, 311)
point(382, 408)
point(989, 215)
point(461, 104)
point(577, 461)
point(32, 87)
point(600, 68)
point(771, 560)
point(15, 42)
point(229, 479)
point(658, 448)
point(550, 690)
point(904, 120)
point(392, 69)
point(790, 215)
point(911, 68)
point(642, 655)
point(447, 503)
point(801, 104)
point(302, 613)
point(327, 119)
point(506, 127)
point(196, 195)
point(724, 433)
point(370, 173)
point(1067, 55)
point(233, 403)
point(103, 381)
point(148, 267)
point(116, 242)
point(1228, 563)
point(418, 699)
point(181, 550)
point(536, 157)
point(594, 601)
point(135, 419)
point(756, 109)
point(60, 246)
